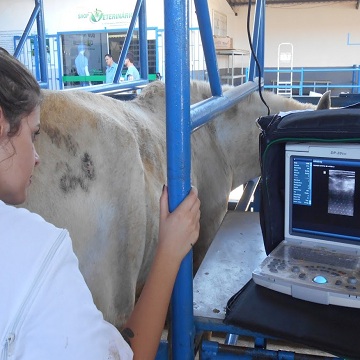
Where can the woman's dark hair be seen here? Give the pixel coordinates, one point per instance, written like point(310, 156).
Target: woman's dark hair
point(19, 91)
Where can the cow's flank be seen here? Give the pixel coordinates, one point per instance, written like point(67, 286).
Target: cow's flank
point(103, 165)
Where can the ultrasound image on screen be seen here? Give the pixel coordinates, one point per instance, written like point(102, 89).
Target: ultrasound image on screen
point(341, 192)
point(333, 186)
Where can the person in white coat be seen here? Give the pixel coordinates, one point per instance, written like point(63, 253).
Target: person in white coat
point(46, 309)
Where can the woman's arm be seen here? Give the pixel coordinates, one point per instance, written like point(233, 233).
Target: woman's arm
point(178, 232)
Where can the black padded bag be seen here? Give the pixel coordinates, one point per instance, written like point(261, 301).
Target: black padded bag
point(330, 328)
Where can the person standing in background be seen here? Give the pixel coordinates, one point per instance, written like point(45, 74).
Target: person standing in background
point(111, 67)
point(132, 72)
point(82, 64)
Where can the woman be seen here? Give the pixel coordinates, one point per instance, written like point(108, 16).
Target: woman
point(46, 309)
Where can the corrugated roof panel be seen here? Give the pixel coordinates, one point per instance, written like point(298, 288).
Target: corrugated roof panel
point(236, 3)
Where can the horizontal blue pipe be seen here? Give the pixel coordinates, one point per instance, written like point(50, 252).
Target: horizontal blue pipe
point(212, 350)
point(338, 86)
point(43, 85)
point(208, 109)
point(311, 70)
point(108, 88)
point(207, 324)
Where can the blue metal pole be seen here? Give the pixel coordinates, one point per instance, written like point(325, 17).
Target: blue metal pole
point(58, 42)
point(27, 30)
point(258, 40)
point(127, 41)
point(178, 133)
point(257, 36)
point(37, 59)
point(203, 16)
point(42, 42)
point(261, 41)
point(353, 80)
point(157, 50)
point(144, 69)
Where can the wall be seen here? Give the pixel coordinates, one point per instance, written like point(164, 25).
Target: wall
point(318, 32)
point(66, 15)
point(225, 12)
point(97, 15)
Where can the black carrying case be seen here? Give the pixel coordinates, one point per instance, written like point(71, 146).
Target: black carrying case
point(330, 328)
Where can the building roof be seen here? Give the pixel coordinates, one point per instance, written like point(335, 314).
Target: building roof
point(236, 3)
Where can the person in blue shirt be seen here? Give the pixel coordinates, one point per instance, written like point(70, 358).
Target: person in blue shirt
point(111, 67)
point(132, 72)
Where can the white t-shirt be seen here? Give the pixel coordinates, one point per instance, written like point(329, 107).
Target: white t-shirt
point(46, 308)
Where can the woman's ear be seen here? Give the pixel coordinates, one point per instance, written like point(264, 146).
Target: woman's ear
point(3, 123)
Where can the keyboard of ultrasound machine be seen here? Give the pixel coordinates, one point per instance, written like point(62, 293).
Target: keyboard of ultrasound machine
point(321, 256)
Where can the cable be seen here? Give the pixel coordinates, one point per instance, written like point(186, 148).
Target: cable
point(254, 55)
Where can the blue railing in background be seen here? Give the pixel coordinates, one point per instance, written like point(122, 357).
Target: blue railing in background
point(38, 16)
point(303, 78)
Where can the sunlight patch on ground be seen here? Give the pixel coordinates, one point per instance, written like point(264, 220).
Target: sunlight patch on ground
point(235, 195)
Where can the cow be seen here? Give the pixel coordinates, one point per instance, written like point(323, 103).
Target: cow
point(103, 165)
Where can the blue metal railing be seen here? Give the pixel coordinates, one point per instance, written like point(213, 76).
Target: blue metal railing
point(178, 163)
point(258, 41)
point(139, 13)
point(180, 122)
point(38, 16)
point(305, 82)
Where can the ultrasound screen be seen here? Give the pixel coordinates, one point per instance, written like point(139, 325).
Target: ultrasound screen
point(325, 198)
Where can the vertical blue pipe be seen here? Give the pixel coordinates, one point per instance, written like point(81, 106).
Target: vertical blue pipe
point(127, 41)
point(42, 42)
point(353, 80)
point(144, 68)
point(157, 50)
point(27, 30)
point(59, 47)
point(258, 39)
point(37, 60)
point(257, 36)
point(301, 82)
point(203, 16)
point(177, 73)
point(261, 41)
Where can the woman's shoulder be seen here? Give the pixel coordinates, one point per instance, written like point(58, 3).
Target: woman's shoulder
point(26, 234)
point(12, 217)
point(27, 242)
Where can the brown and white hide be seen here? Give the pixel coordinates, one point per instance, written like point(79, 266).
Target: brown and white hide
point(103, 165)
